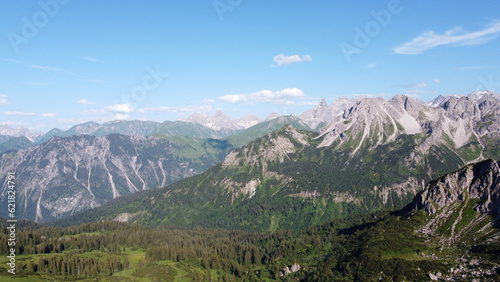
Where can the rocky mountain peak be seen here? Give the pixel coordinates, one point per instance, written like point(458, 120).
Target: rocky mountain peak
point(221, 121)
point(478, 95)
point(440, 100)
point(85, 128)
point(272, 115)
point(274, 146)
point(374, 121)
point(19, 132)
point(323, 103)
point(220, 114)
point(324, 112)
point(248, 121)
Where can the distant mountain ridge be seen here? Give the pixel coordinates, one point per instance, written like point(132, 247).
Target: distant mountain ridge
point(219, 120)
point(19, 131)
point(140, 128)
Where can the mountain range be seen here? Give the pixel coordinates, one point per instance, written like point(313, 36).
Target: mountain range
point(376, 155)
point(367, 154)
point(383, 190)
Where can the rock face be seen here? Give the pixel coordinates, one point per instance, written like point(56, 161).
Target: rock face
point(67, 175)
point(480, 181)
point(289, 270)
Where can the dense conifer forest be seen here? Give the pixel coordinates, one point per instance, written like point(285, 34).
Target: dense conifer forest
point(359, 248)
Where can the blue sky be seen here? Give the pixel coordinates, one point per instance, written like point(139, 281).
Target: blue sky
point(67, 62)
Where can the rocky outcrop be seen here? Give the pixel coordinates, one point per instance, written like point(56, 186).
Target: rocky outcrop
point(480, 181)
point(289, 270)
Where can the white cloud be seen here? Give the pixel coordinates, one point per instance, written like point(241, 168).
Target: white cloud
point(19, 114)
point(437, 81)
point(179, 109)
point(48, 115)
point(456, 36)
point(265, 96)
point(119, 108)
point(85, 102)
point(3, 100)
point(116, 111)
point(120, 117)
point(282, 60)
